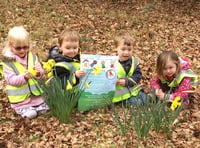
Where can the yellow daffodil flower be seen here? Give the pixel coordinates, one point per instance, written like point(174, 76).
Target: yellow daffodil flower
point(33, 72)
point(97, 70)
point(73, 79)
point(51, 62)
point(69, 86)
point(50, 74)
point(46, 66)
point(87, 85)
point(175, 103)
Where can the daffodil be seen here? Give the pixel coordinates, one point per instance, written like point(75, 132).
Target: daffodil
point(33, 72)
point(46, 66)
point(51, 62)
point(87, 85)
point(50, 74)
point(97, 70)
point(47, 82)
point(73, 79)
point(69, 86)
point(175, 103)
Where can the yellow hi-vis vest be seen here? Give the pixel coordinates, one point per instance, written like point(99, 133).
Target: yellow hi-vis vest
point(71, 66)
point(188, 73)
point(123, 93)
point(18, 94)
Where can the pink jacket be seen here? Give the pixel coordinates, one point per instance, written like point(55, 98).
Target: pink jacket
point(184, 85)
point(18, 80)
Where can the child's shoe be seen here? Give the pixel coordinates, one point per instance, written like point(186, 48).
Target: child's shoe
point(42, 108)
point(28, 112)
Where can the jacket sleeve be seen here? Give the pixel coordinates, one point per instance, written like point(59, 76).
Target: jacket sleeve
point(135, 78)
point(154, 83)
point(13, 79)
point(184, 86)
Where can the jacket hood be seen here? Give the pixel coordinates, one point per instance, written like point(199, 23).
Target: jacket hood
point(184, 63)
point(7, 55)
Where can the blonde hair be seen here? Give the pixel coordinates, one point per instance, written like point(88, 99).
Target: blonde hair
point(68, 35)
point(124, 37)
point(162, 60)
point(18, 36)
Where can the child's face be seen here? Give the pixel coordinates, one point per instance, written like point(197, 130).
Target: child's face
point(124, 51)
point(169, 69)
point(20, 49)
point(70, 48)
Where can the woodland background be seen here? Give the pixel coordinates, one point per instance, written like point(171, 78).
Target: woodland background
point(156, 25)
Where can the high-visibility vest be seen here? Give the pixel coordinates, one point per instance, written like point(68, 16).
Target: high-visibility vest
point(18, 94)
point(188, 73)
point(70, 66)
point(123, 93)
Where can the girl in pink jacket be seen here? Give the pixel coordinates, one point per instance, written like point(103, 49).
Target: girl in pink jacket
point(174, 78)
point(21, 70)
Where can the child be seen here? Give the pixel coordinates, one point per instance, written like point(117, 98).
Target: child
point(24, 92)
point(174, 76)
point(129, 73)
point(67, 56)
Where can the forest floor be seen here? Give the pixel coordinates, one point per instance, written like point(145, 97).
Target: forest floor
point(156, 25)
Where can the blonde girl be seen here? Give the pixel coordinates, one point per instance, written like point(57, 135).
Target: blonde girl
point(23, 90)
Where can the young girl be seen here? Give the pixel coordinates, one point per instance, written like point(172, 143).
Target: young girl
point(67, 56)
point(129, 73)
point(174, 78)
point(23, 90)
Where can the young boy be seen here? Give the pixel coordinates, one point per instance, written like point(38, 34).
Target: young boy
point(129, 73)
point(66, 56)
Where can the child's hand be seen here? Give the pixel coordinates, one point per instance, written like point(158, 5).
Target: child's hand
point(28, 75)
point(121, 82)
point(38, 71)
point(79, 73)
point(160, 94)
point(35, 71)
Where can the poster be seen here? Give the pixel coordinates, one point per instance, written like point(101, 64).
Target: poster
point(100, 80)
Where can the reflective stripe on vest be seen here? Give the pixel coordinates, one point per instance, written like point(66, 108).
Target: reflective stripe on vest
point(66, 65)
point(183, 74)
point(24, 89)
point(126, 93)
point(20, 93)
point(71, 66)
point(123, 93)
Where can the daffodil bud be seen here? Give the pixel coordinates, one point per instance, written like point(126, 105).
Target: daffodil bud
point(69, 86)
point(73, 79)
point(50, 74)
